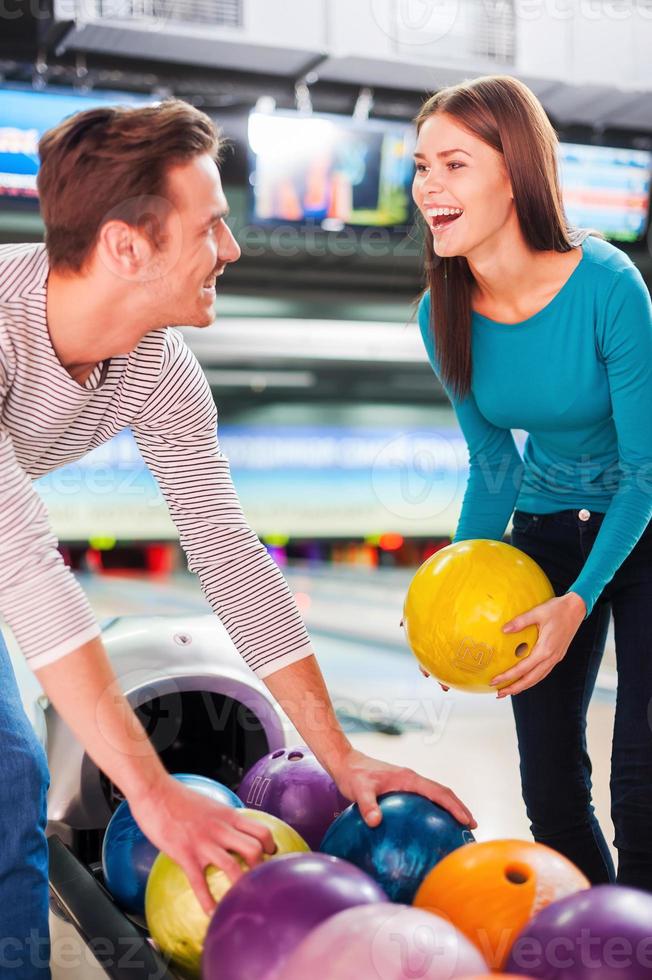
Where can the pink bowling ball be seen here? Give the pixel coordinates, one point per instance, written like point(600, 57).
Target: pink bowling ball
point(386, 941)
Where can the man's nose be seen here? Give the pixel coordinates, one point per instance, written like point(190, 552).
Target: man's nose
point(230, 250)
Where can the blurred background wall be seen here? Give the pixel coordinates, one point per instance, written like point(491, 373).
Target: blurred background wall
point(342, 444)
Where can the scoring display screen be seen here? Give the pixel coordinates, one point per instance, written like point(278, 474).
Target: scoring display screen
point(333, 170)
point(24, 116)
point(607, 188)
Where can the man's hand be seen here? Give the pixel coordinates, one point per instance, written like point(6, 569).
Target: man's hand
point(362, 779)
point(195, 831)
point(189, 827)
point(558, 621)
point(301, 692)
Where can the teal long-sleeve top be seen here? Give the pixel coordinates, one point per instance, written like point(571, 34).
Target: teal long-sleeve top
point(577, 377)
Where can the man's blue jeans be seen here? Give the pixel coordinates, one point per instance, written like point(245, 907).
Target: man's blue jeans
point(24, 780)
point(551, 716)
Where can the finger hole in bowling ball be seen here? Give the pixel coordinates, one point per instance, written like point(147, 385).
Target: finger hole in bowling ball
point(295, 756)
point(277, 755)
point(521, 650)
point(517, 875)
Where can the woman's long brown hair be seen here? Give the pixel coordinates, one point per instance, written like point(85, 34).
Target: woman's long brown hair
point(504, 113)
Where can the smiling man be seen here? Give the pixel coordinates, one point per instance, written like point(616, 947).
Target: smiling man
point(136, 239)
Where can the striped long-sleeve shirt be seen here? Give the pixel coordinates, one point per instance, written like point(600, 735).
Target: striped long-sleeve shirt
point(48, 419)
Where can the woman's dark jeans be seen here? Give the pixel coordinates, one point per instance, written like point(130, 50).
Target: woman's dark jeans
point(551, 716)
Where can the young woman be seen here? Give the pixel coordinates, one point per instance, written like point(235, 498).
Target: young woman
point(530, 324)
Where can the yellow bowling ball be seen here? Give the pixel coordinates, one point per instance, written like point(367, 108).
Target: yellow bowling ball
point(175, 919)
point(457, 604)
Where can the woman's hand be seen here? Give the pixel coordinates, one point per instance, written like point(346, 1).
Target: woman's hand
point(426, 674)
point(558, 621)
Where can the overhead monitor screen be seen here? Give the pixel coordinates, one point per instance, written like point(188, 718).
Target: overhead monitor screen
point(25, 115)
point(607, 188)
point(333, 170)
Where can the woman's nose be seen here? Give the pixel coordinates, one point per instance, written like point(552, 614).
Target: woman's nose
point(433, 184)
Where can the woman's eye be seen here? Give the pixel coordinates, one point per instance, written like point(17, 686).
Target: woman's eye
point(421, 167)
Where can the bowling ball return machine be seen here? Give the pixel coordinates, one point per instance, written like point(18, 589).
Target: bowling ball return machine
point(204, 711)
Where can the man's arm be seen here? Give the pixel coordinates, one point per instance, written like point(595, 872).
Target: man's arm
point(302, 693)
point(59, 636)
point(191, 828)
point(177, 435)
point(176, 432)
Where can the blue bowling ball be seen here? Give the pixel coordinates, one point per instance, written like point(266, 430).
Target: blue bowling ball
point(128, 856)
point(414, 835)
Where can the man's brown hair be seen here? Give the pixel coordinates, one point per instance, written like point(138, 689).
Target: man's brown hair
point(112, 163)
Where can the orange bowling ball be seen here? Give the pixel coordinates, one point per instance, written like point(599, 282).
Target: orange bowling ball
point(456, 607)
point(491, 889)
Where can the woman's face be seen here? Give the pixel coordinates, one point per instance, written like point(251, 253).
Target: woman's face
point(461, 173)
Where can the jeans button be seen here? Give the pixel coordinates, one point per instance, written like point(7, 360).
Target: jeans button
point(584, 514)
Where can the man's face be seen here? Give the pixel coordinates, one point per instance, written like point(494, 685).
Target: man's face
point(198, 247)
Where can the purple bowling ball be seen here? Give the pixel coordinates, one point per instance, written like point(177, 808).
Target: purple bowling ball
point(271, 909)
point(291, 785)
point(603, 933)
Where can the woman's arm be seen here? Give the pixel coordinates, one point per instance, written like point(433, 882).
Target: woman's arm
point(624, 339)
point(495, 466)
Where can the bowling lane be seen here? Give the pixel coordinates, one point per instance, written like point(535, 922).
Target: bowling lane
point(343, 602)
point(353, 614)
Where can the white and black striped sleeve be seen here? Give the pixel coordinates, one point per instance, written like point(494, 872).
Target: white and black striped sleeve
point(177, 435)
point(39, 597)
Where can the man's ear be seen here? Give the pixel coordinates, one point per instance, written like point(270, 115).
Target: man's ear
point(124, 251)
